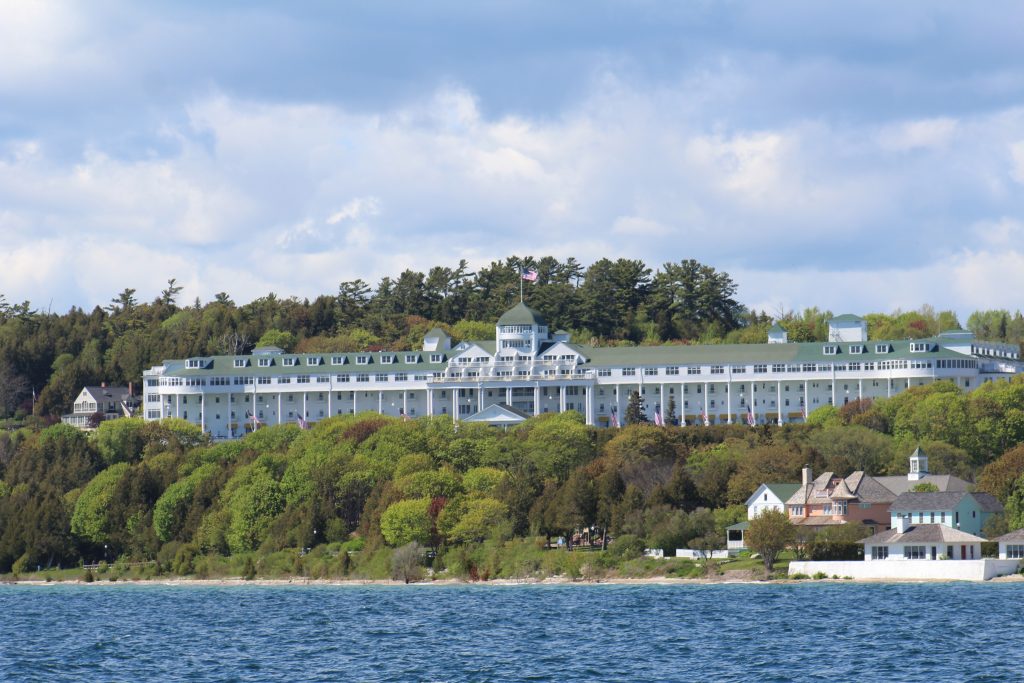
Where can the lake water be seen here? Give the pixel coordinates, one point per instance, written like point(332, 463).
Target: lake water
point(812, 631)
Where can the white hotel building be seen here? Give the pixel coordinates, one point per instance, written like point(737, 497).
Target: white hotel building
point(531, 370)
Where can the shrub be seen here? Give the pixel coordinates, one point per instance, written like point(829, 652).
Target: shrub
point(820, 575)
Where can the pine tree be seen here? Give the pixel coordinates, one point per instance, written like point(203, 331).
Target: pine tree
point(670, 414)
point(635, 410)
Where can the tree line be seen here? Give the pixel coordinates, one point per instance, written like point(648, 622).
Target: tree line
point(45, 357)
point(161, 491)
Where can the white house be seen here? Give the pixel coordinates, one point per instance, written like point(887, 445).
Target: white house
point(529, 368)
point(921, 542)
point(106, 402)
point(1011, 545)
point(766, 497)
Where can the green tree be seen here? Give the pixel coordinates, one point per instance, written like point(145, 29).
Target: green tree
point(407, 521)
point(636, 412)
point(120, 440)
point(483, 518)
point(90, 520)
point(768, 535)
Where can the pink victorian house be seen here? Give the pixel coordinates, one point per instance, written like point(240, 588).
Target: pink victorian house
point(829, 499)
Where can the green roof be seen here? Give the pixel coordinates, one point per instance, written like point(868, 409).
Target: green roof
point(521, 314)
point(783, 491)
point(847, 318)
point(776, 328)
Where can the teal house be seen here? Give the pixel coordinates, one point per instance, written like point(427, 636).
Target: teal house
point(960, 510)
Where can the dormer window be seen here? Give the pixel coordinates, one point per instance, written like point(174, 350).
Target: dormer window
point(193, 363)
point(362, 360)
point(437, 358)
point(338, 360)
point(918, 347)
point(313, 361)
point(388, 358)
point(241, 362)
point(882, 348)
point(265, 362)
point(412, 358)
point(831, 349)
point(857, 348)
point(288, 362)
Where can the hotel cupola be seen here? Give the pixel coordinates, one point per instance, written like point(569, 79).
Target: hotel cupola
point(523, 329)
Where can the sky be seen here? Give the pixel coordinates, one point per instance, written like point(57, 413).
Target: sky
point(858, 157)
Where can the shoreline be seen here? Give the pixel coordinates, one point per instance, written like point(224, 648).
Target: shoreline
point(497, 583)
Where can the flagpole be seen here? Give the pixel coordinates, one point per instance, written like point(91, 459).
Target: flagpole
point(521, 284)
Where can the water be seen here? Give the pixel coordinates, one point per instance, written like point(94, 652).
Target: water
point(834, 632)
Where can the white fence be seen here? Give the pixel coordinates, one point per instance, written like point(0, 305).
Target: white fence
point(910, 570)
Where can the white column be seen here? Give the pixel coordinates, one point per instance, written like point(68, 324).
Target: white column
point(705, 398)
point(807, 398)
point(618, 404)
point(304, 411)
point(508, 395)
point(202, 411)
point(231, 430)
point(860, 389)
point(778, 400)
point(278, 407)
point(405, 403)
point(663, 400)
point(753, 402)
point(355, 402)
point(728, 399)
point(455, 405)
point(480, 396)
point(330, 397)
point(833, 384)
point(430, 402)
point(536, 398)
point(561, 398)
point(380, 402)
point(177, 405)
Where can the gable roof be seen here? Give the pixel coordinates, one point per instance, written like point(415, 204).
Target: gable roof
point(498, 414)
point(858, 486)
point(781, 491)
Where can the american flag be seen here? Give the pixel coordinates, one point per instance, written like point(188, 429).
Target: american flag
point(657, 418)
point(615, 418)
point(750, 416)
point(303, 424)
point(704, 417)
point(530, 275)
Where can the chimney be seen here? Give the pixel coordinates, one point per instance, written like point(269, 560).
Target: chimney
point(902, 523)
point(131, 390)
point(807, 478)
point(103, 385)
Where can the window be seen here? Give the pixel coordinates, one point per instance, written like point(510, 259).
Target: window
point(262, 380)
point(362, 360)
point(380, 377)
point(302, 379)
point(241, 362)
point(342, 378)
point(830, 349)
point(739, 369)
point(826, 509)
point(760, 368)
point(672, 370)
point(338, 360)
point(717, 369)
point(362, 377)
point(857, 348)
point(265, 362)
point(388, 358)
point(401, 377)
point(288, 362)
point(322, 379)
point(932, 520)
point(693, 371)
point(1015, 552)
point(627, 372)
point(882, 348)
point(918, 347)
point(604, 372)
point(778, 367)
point(193, 363)
point(412, 358)
point(915, 552)
point(650, 371)
point(437, 358)
point(796, 510)
point(313, 361)
point(284, 380)
point(879, 552)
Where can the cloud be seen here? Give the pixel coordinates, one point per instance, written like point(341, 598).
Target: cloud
point(355, 209)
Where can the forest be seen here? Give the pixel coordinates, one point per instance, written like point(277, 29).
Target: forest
point(355, 492)
point(46, 357)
